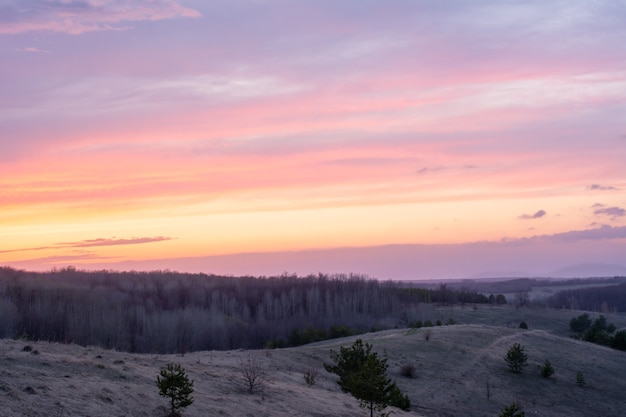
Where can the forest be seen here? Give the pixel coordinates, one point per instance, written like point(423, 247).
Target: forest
point(170, 312)
point(605, 299)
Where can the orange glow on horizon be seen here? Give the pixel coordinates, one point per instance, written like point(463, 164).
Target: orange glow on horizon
point(153, 144)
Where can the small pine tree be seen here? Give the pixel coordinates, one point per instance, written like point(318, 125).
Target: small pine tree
point(174, 383)
point(580, 379)
point(364, 375)
point(547, 370)
point(580, 324)
point(512, 410)
point(398, 399)
point(369, 384)
point(516, 358)
point(619, 340)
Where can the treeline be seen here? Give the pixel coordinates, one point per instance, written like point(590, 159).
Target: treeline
point(446, 295)
point(169, 312)
point(165, 311)
point(598, 331)
point(605, 299)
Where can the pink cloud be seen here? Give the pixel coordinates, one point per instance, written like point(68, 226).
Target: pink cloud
point(32, 49)
point(76, 17)
point(90, 243)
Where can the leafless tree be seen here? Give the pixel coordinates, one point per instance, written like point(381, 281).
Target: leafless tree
point(310, 376)
point(252, 373)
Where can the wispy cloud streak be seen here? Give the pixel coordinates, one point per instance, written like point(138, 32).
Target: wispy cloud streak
point(604, 232)
point(90, 243)
point(80, 16)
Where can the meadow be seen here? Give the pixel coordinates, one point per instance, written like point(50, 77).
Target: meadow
point(460, 371)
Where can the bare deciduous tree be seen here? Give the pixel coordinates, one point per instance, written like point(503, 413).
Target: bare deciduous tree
point(252, 373)
point(310, 375)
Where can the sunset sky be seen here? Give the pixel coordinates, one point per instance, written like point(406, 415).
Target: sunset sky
point(401, 139)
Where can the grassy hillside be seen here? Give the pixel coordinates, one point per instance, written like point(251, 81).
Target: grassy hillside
point(454, 368)
point(555, 321)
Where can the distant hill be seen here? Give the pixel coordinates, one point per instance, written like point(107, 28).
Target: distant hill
point(460, 372)
point(590, 270)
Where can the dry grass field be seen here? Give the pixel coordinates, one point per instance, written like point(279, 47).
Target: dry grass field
point(460, 371)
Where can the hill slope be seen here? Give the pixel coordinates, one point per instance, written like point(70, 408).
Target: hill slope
point(454, 368)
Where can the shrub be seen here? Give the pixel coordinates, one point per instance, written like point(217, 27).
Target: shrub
point(408, 370)
point(523, 325)
point(512, 410)
point(310, 375)
point(398, 399)
point(516, 358)
point(580, 379)
point(547, 370)
point(619, 340)
point(275, 344)
point(174, 383)
point(580, 324)
point(427, 335)
point(599, 332)
point(338, 331)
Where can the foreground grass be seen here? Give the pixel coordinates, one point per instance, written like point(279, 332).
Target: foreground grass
point(460, 371)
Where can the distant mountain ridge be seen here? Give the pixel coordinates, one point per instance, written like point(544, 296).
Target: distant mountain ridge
point(590, 270)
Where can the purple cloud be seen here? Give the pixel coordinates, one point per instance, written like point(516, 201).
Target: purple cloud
point(537, 215)
point(600, 233)
point(601, 187)
point(610, 211)
point(89, 243)
point(369, 161)
point(427, 170)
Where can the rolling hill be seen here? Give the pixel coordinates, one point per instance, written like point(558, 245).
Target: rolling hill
point(460, 372)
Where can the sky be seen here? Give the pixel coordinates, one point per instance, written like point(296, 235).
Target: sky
point(400, 139)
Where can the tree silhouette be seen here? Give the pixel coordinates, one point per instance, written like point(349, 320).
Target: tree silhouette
point(547, 370)
point(174, 383)
point(364, 375)
point(516, 358)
